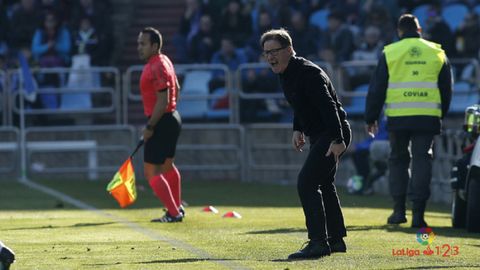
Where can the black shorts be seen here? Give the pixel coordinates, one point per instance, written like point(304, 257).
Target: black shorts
point(163, 143)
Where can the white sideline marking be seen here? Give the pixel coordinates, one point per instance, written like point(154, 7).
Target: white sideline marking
point(147, 232)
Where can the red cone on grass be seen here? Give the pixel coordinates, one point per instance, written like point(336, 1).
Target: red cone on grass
point(210, 209)
point(232, 214)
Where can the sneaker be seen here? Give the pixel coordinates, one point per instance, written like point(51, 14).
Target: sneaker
point(181, 209)
point(7, 257)
point(397, 218)
point(337, 245)
point(313, 250)
point(167, 218)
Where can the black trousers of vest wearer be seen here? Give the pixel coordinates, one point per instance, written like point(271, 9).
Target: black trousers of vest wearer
point(416, 147)
point(318, 195)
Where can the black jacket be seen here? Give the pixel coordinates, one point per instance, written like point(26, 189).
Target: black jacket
point(378, 90)
point(308, 89)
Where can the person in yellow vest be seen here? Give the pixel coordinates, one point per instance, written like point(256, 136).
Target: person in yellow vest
point(413, 82)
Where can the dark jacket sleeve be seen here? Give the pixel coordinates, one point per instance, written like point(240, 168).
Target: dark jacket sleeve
point(296, 124)
point(445, 84)
point(377, 91)
point(318, 94)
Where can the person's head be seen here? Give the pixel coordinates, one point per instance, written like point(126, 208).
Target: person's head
point(85, 23)
point(27, 4)
point(298, 21)
point(408, 23)
point(50, 21)
point(149, 43)
point(233, 7)
point(372, 35)
point(335, 20)
point(227, 47)
point(277, 49)
point(205, 23)
point(264, 21)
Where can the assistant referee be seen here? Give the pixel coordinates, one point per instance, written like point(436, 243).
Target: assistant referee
point(159, 88)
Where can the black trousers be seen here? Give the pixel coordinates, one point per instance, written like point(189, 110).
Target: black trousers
point(318, 195)
point(419, 152)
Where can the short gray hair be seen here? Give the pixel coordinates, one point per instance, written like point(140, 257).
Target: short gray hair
point(281, 35)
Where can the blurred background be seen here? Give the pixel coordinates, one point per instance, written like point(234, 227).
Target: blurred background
point(69, 98)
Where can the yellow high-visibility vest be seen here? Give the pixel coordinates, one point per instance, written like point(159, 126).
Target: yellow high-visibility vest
point(413, 68)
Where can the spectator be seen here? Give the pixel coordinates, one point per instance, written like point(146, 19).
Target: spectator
point(279, 12)
point(190, 22)
point(189, 25)
point(99, 13)
point(227, 55)
point(51, 48)
point(438, 31)
point(25, 20)
point(337, 44)
point(86, 40)
point(4, 29)
point(467, 37)
point(304, 36)
point(253, 49)
point(51, 43)
point(379, 16)
point(370, 158)
point(369, 50)
point(205, 42)
point(236, 24)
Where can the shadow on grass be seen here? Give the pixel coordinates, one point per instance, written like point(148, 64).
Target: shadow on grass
point(282, 230)
point(69, 226)
point(439, 231)
point(185, 260)
point(470, 266)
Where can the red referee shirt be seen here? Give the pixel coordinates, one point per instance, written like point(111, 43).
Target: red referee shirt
point(157, 75)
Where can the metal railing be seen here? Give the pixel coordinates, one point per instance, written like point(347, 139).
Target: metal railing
point(244, 94)
point(132, 92)
point(3, 97)
point(85, 150)
point(68, 91)
point(9, 151)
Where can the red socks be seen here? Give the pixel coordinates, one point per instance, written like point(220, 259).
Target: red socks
point(162, 189)
point(174, 180)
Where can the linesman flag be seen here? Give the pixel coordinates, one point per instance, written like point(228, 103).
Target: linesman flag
point(122, 186)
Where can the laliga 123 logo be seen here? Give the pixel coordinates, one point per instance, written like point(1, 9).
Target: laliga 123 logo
point(425, 236)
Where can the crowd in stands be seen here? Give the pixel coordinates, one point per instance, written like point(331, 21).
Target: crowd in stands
point(348, 29)
point(51, 33)
point(332, 31)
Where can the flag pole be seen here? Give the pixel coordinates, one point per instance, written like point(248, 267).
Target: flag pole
point(140, 143)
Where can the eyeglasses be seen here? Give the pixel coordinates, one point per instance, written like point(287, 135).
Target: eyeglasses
point(272, 52)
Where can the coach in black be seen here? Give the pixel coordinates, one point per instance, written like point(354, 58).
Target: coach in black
point(319, 116)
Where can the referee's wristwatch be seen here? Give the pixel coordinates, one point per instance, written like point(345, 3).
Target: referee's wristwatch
point(149, 127)
point(338, 141)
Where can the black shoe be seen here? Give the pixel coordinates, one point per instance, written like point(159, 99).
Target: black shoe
point(313, 250)
point(7, 257)
point(397, 218)
point(167, 218)
point(337, 245)
point(418, 221)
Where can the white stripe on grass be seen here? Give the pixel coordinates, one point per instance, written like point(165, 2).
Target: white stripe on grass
point(134, 226)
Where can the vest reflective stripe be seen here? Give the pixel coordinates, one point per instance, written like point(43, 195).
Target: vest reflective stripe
point(422, 105)
point(400, 95)
point(413, 66)
point(392, 85)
